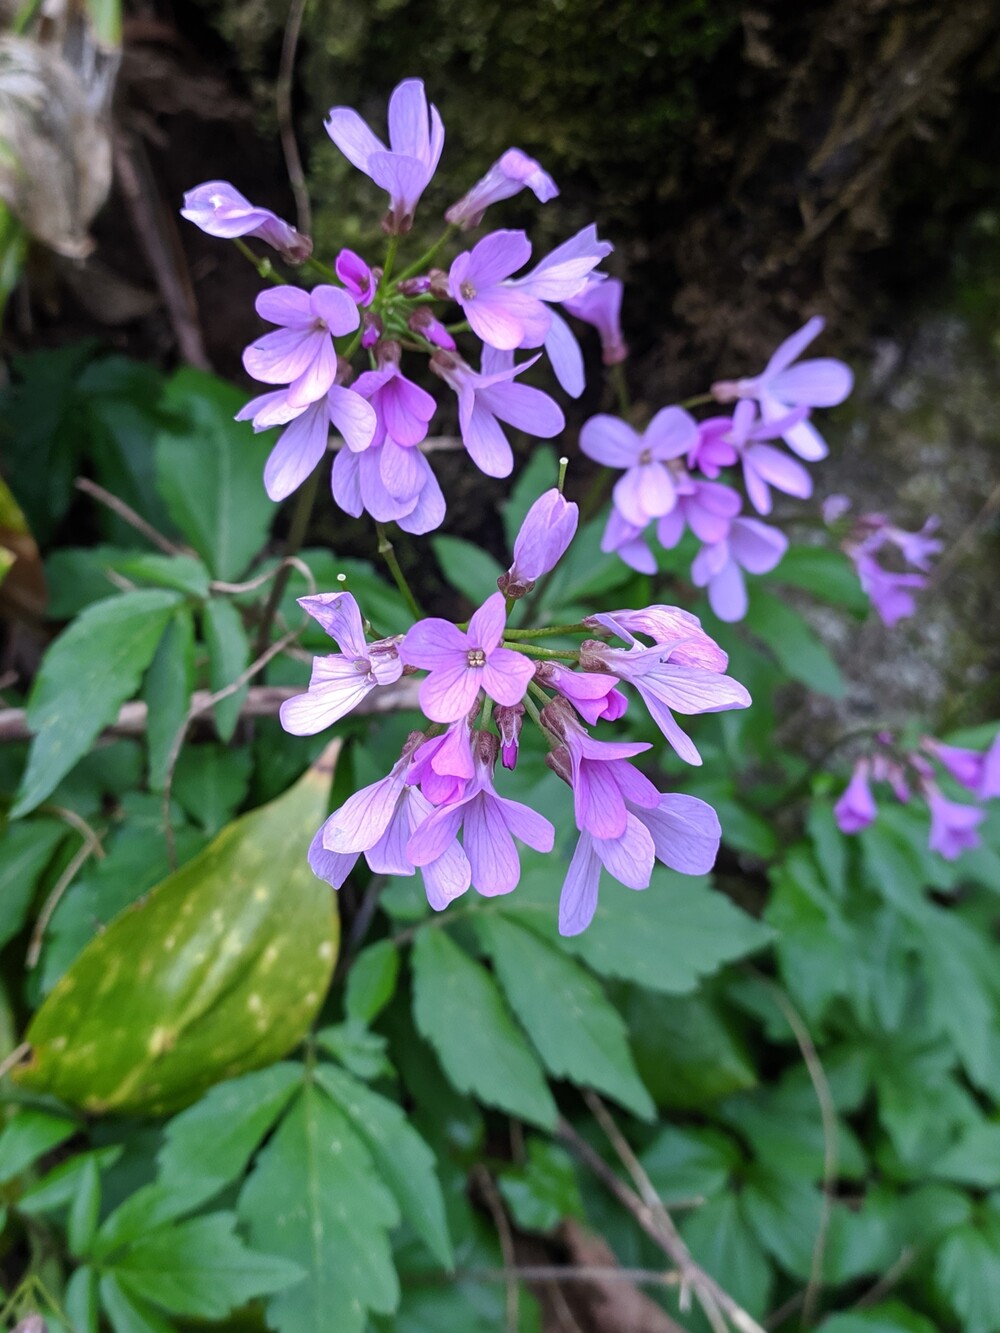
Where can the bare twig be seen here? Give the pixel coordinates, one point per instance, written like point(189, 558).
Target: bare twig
point(79, 858)
point(77, 822)
point(491, 1197)
point(888, 1279)
point(648, 1210)
point(648, 1277)
point(286, 127)
point(234, 589)
point(15, 1058)
point(127, 513)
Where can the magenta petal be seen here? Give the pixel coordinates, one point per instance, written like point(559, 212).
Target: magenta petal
point(487, 625)
point(598, 803)
point(578, 899)
point(406, 410)
point(685, 832)
point(506, 675)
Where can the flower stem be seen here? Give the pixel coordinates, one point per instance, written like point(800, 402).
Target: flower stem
point(419, 265)
point(532, 651)
point(699, 400)
point(621, 388)
point(324, 270)
point(563, 465)
point(549, 630)
point(264, 267)
point(296, 536)
point(390, 259)
point(388, 553)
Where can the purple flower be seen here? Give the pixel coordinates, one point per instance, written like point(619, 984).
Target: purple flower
point(628, 543)
point(425, 323)
point(713, 450)
point(300, 353)
point(856, 808)
point(667, 684)
point(219, 209)
point(416, 139)
point(916, 548)
point(487, 397)
point(752, 546)
point(647, 490)
point(500, 314)
point(833, 508)
point(822, 382)
point(489, 822)
point(303, 443)
point(764, 466)
point(379, 820)
point(513, 172)
point(341, 680)
point(598, 772)
point(680, 831)
point(593, 695)
point(461, 663)
point(356, 276)
point(667, 626)
point(706, 507)
point(509, 721)
point(890, 593)
point(390, 482)
point(953, 825)
point(978, 771)
point(443, 766)
point(404, 410)
point(548, 528)
point(600, 304)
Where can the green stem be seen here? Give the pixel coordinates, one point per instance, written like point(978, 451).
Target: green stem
point(537, 690)
point(621, 388)
point(545, 653)
point(296, 536)
point(549, 630)
point(264, 267)
point(563, 465)
point(388, 553)
point(420, 265)
point(324, 270)
point(390, 259)
point(699, 400)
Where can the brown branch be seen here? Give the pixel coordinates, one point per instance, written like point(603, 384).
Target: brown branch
point(261, 701)
point(127, 513)
point(491, 1197)
point(286, 128)
point(79, 858)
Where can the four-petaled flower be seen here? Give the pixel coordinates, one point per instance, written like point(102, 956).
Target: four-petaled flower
point(300, 353)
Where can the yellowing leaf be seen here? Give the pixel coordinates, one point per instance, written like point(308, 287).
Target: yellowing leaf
point(219, 970)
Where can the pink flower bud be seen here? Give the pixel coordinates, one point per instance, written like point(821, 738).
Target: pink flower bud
point(548, 528)
point(356, 276)
point(427, 324)
point(509, 722)
point(509, 175)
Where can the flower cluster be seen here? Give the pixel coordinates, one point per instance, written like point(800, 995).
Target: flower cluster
point(482, 680)
point(891, 591)
point(670, 471)
point(954, 824)
point(381, 415)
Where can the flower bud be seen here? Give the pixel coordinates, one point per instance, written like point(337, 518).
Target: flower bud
point(509, 721)
point(548, 528)
point(356, 276)
point(427, 324)
point(414, 286)
point(509, 175)
point(371, 329)
point(438, 286)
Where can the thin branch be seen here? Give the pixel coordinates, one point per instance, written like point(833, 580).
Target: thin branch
point(15, 1058)
point(648, 1277)
point(286, 128)
point(657, 1223)
point(77, 822)
point(888, 1279)
point(235, 589)
point(79, 858)
point(491, 1197)
point(127, 513)
point(828, 1116)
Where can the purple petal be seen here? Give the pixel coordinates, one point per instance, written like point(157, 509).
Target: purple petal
point(364, 817)
point(685, 832)
point(484, 438)
point(400, 470)
point(448, 693)
point(565, 355)
point(428, 513)
point(297, 452)
point(525, 409)
point(408, 131)
point(671, 433)
point(597, 802)
point(433, 644)
point(757, 546)
point(287, 305)
point(382, 506)
point(610, 441)
point(792, 348)
point(346, 483)
point(282, 356)
point(526, 824)
point(727, 593)
point(497, 256)
point(490, 848)
point(403, 178)
point(352, 136)
point(506, 675)
point(335, 308)
point(644, 492)
point(435, 834)
point(334, 867)
point(629, 859)
point(406, 409)
point(820, 383)
point(578, 899)
point(487, 625)
point(353, 417)
point(338, 613)
point(335, 688)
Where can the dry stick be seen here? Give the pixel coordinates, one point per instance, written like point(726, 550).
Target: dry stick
point(693, 1276)
point(234, 589)
point(649, 1277)
point(15, 1058)
point(82, 854)
point(286, 129)
point(127, 513)
point(888, 1279)
point(494, 1203)
point(828, 1116)
point(77, 822)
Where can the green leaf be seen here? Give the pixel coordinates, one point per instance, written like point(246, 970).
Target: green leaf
point(892, 1317)
point(796, 647)
point(665, 938)
point(458, 1008)
point(314, 1197)
point(371, 982)
point(468, 568)
point(201, 1267)
point(182, 573)
point(167, 692)
point(214, 1139)
point(85, 677)
point(80, 1301)
point(578, 1034)
point(128, 1315)
point(25, 850)
point(543, 1192)
point(686, 1164)
point(84, 1208)
point(228, 657)
point(209, 470)
point(210, 782)
point(785, 1214)
point(29, 1135)
point(357, 1049)
point(974, 1160)
point(219, 970)
point(61, 1185)
point(686, 1053)
point(825, 572)
point(401, 1156)
point(722, 1243)
point(966, 1273)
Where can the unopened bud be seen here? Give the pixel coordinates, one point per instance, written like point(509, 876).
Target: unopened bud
point(509, 720)
point(439, 284)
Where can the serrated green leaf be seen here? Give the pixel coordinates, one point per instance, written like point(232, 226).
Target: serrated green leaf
point(201, 1267)
point(60, 1186)
point(86, 675)
point(578, 1034)
point(666, 938)
point(215, 1138)
point(785, 1214)
point(183, 573)
point(167, 692)
point(686, 1052)
point(544, 1191)
point(84, 1208)
point(974, 1159)
point(357, 1049)
point(228, 657)
point(127, 1314)
point(28, 1135)
point(721, 1242)
point(891, 1317)
point(25, 850)
point(371, 982)
point(210, 782)
point(209, 470)
point(468, 568)
point(795, 645)
point(220, 969)
point(402, 1158)
point(458, 1008)
point(314, 1197)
